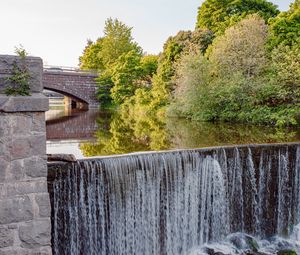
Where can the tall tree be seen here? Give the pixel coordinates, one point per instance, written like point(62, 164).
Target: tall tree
point(241, 48)
point(106, 53)
point(285, 28)
point(117, 40)
point(217, 15)
point(125, 74)
point(90, 59)
point(162, 81)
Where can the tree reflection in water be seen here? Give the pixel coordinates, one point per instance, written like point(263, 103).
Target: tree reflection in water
point(125, 134)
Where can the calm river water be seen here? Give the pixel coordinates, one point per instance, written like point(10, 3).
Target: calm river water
point(99, 133)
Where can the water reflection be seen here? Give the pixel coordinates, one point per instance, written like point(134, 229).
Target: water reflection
point(104, 133)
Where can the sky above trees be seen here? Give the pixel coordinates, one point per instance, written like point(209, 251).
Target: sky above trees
point(58, 30)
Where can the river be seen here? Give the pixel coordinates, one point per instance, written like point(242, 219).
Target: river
point(98, 133)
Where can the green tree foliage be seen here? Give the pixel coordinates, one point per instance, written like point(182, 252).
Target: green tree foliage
point(149, 65)
point(241, 48)
point(153, 101)
point(201, 39)
point(90, 59)
point(238, 83)
point(285, 28)
point(109, 55)
point(126, 73)
point(217, 15)
point(285, 65)
point(18, 82)
point(162, 81)
point(117, 41)
point(131, 72)
point(105, 84)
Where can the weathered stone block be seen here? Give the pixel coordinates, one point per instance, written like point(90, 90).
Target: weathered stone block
point(39, 122)
point(34, 66)
point(19, 148)
point(3, 169)
point(35, 103)
point(6, 237)
point(3, 101)
point(38, 144)
point(21, 124)
point(20, 188)
point(23, 251)
point(35, 167)
point(16, 170)
point(4, 125)
point(35, 234)
point(44, 204)
point(15, 210)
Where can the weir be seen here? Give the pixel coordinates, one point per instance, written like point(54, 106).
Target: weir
point(174, 202)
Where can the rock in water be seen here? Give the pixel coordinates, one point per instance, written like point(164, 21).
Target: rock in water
point(286, 252)
point(243, 242)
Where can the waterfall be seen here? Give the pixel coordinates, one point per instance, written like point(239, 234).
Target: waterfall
point(168, 203)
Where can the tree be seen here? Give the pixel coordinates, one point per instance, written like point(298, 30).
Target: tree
point(125, 75)
point(217, 15)
point(285, 64)
point(105, 84)
point(241, 48)
point(285, 28)
point(149, 65)
point(90, 59)
point(117, 41)
point(238, 82)
point(162, 81)
point(107, 55)
point(131, 72)
point(201, 39)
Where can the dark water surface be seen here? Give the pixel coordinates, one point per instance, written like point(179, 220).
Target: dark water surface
point(97, 133)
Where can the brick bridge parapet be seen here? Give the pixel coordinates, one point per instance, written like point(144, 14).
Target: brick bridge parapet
point(79, 86)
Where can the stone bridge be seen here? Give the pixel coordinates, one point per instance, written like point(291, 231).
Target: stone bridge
point(78, 85)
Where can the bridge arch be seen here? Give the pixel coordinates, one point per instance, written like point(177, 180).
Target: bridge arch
point(81, 87)
point(73, 98)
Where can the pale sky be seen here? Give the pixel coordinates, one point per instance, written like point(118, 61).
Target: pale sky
point(57, 30)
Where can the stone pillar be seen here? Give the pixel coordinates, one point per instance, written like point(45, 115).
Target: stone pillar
point(25, 226)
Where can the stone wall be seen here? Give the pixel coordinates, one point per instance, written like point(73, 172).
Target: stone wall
point(80, 87)
point(25, 226)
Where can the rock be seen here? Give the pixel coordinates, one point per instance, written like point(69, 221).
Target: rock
point(35, 167)
point(61, 157)
point(243, 242)
point(15, 210)
point(6, 237)
point(255, 253)
point(44, 204)
point(35, 234)
point(286, 252)
point(217, 249)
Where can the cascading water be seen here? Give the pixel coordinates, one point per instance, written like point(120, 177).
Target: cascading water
point(170, 203)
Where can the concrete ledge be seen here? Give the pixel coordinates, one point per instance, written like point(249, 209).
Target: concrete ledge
point(34, 66)
point(37, 102)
